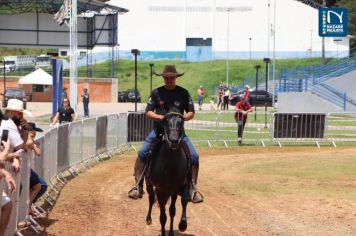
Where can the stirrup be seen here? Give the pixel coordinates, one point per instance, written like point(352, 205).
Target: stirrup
point(196, 193)
point(135, 195)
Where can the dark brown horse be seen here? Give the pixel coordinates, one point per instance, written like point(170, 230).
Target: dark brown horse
point(168, 174)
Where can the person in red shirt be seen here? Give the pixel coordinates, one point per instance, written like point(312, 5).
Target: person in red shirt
point(242, 109)
point(247, 93)
point(201, 94)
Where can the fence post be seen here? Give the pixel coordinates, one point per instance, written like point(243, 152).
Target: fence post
point(344, 102)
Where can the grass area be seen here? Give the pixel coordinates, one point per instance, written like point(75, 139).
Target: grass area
point(313, 176)
point(208, 74)
point(225, 116)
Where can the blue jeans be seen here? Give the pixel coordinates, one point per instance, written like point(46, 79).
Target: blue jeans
point(143, 153)
point(86, 108)
point(200, 100)
point(36, 179)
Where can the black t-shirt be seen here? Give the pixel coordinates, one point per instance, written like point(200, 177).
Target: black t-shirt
point(85, 98)
point(163, 100)
point(65, 115)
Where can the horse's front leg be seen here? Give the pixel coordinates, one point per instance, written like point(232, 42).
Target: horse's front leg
point(162, 217)
point(172, 213)
point(184, 201)
point(151, 198)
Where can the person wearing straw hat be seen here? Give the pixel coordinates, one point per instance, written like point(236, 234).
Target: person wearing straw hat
point(16, 123)
point(17, 132)
point(163, 99)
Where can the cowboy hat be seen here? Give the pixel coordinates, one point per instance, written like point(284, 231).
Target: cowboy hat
point(32, 127)
point(16, 105)
point(247, 86)
point(169, 71)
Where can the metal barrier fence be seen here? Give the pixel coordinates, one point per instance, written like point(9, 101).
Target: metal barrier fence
point(263, 127)
point(66, 150)
point(70, 148)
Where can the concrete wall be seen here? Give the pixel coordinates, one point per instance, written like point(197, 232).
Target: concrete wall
point(304, 102)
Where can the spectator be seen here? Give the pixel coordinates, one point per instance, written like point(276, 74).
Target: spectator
point(85, 97)
point(16, 126)
point(226, 98)
point(64, 114)
point(37, 185)
point(220, 97)
point(6, 204)
point(247, 93)
point(242, 108)
point(212, 104)
point(201, 94)
point(163, 99)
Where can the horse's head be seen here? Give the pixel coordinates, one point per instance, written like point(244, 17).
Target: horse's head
point(173, 129)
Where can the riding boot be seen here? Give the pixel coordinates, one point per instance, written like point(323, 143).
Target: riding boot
point(137, 191)
point(194, 194)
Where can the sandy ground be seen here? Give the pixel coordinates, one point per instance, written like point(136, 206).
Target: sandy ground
point(96, 202)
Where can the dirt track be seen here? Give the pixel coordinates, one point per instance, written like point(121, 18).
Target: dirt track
point(96, 203)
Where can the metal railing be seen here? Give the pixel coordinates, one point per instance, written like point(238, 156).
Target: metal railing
point(66, 150)
point(72, 148)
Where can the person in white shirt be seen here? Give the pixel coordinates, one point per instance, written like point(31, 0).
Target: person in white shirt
point(17, 132)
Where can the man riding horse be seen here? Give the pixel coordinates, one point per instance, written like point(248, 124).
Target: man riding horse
point(161, 101)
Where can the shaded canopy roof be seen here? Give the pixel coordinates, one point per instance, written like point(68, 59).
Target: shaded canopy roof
point(52, 6)
point(38, 76)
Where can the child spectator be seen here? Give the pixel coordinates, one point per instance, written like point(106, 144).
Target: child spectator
point(37, 185)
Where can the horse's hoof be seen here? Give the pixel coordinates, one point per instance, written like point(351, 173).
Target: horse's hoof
point(182, 226)
point(148, 221)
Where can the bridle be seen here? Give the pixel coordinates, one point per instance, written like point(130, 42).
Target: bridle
point(173, 127)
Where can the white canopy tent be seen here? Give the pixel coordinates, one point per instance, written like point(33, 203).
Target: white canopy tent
point(38, 76)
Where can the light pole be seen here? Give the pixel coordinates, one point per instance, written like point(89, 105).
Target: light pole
point(228, 10)
point(151, 66)
point(337, 46)
point(266, 61)
point(4, 73)
point(227, 48)
point(135, 52)
point(257, 67)
point(250, 46)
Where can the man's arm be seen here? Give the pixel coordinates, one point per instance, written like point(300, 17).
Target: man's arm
point(153, 116)
point(188, 116)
